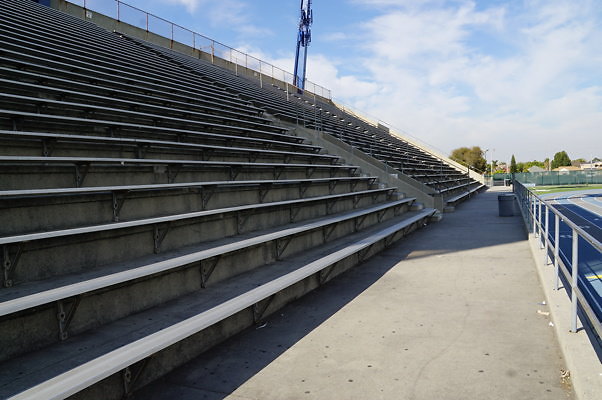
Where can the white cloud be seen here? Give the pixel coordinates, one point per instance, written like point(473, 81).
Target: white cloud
point(191, 5)
point(232, 13)
point(519, 81)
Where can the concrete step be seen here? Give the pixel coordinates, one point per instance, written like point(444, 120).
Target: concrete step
point(25, 211)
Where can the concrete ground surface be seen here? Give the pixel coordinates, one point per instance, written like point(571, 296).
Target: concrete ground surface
point(451, 312)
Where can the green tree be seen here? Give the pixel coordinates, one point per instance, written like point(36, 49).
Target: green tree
point(520, 167)
point(546, 164)
point(472, 157)
point(513, 165)
point(561, 159)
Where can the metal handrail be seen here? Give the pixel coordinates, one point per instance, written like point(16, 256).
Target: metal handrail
point(537, 221)
point(235, 56)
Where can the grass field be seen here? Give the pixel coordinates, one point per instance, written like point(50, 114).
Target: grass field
point(562, 188)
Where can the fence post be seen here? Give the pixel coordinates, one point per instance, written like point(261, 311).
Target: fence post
point(556, 251)
point(574, 273)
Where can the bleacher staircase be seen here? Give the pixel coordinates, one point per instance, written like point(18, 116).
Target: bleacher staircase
point(148, 213)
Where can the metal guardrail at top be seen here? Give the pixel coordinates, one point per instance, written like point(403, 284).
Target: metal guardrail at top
point(536, 212)
point(126, 13)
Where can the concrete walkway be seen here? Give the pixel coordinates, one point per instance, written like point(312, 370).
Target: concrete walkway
point(449, 313)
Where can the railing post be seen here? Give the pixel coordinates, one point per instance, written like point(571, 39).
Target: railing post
point(539, 222)
point(533, 213)
point(574, 273)
point(556, 251)
point(545, 237)
point(118, 10)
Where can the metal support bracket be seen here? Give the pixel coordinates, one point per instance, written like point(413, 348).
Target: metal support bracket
point(356, 200)
point(381, 214)
point(327, 231)
point(278, 172)
point(131, 375)
point(158, 237)
point(207, 268)
point(141, 150)
point(309, 172)
point(303, 189)
point(359, 221)
point(241, 221)
point(363, 253)
point(331, 186)
point(234, 171)
point(280, 245)
point(117, 204)
point(263, 191)
point(325, 273)
point(65, 316)
point(259, 309)
point(47, 147)
point(330, 205)
point(81, 170)
point(206, 195)
point(172, 173)
point(9, 264)
point(293, 212)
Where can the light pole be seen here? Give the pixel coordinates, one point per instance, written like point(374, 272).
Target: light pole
point(485, 156)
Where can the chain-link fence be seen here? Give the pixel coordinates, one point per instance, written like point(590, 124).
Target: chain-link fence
point(551, 178)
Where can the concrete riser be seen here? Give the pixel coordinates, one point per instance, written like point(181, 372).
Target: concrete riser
point(168, 359)
point(42, 176)
point(124, 117)
point(35, 328)
point(36, 149)
point(43, 259)
point(26, 215)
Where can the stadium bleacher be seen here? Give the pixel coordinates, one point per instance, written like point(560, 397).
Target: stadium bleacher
point(150, 209)
point(323, 115)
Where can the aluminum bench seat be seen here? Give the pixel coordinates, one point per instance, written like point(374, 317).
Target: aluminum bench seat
point(69, 80)
point(110, 114)
point(31, 210)
point(85, 60)
point(21, 194)
point(36, 62)
point(172, 218)
point(141, 147)
point(12, 301)
point(464, 195)
point(20, 119)
point(94, 99)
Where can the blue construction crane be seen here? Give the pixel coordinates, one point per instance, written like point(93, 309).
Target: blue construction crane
point(303, 40)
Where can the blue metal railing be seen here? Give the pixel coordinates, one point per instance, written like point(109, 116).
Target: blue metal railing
point(575, 254)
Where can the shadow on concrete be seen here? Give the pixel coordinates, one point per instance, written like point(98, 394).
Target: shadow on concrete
point(219, 372)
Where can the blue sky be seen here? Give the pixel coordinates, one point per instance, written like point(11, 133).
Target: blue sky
point(518, 76)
